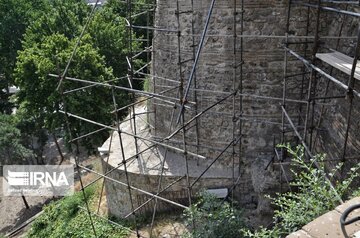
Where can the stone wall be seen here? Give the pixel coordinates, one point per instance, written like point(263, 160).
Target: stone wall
point(118, 199)
point(262, 75)
point(331, 134)
point(263, 70)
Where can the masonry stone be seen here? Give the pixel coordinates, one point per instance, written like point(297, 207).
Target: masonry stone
point(215, 77)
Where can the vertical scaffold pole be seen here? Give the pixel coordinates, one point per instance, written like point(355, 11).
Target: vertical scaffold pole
point(124, 161)
point(312, 81)
point(234, 97)
point(350, 94)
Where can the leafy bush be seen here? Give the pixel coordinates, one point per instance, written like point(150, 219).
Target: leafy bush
point(64, 219)
point(312, 195)
point(213, 218)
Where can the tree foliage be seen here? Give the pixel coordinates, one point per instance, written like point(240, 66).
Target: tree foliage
point(110, 37)
point(38, 97)
point(11, 149)
point(106, 28)
point(48, 44)
point(15, 17)
point(60, 17)
point(142, 15)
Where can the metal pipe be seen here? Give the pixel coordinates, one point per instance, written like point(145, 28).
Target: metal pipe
point(311, 155)
point(213, 162)
point(158, 193)
point(134, 188)
point(351, 84)
point(330, 9)
point(139, 137)
point(200, 47)
point(321, 72)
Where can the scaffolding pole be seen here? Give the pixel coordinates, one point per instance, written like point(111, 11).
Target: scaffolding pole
point(189, 119)
point(197, 57)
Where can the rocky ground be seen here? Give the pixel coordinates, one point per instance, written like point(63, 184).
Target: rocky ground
point(164, 229)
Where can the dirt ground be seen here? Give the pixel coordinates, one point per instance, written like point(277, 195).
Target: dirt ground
point(13, 211)
point(164, 229)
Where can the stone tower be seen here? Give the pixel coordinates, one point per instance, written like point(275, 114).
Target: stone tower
point(233, 103)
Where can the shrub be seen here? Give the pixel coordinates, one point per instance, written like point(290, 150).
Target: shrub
point(213, 218)
point(311, 197)
point(64, 219)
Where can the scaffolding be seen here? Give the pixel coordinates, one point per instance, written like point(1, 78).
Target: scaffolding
point(304, 124)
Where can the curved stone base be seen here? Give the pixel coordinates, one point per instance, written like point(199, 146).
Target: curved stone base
point(145, 170)
point(118, 198)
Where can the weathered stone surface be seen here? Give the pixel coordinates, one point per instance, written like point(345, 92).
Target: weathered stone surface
point(143, 172)
point(356, 213)
point(299, 234)
point(262, 75)
point(263, 72)
point(326, 226)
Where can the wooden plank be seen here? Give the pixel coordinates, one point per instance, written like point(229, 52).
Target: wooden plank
point(340, 61)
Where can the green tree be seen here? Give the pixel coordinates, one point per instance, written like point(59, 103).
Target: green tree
point(15, 16)
point(107, 29)
point(110, 37)
point(11, 149)
point(48, 44)
point(61, 17)
point(142, 13)
point(120, 8)
point(38, 98)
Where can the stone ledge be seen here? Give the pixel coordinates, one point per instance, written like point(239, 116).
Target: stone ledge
point(328, 225)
